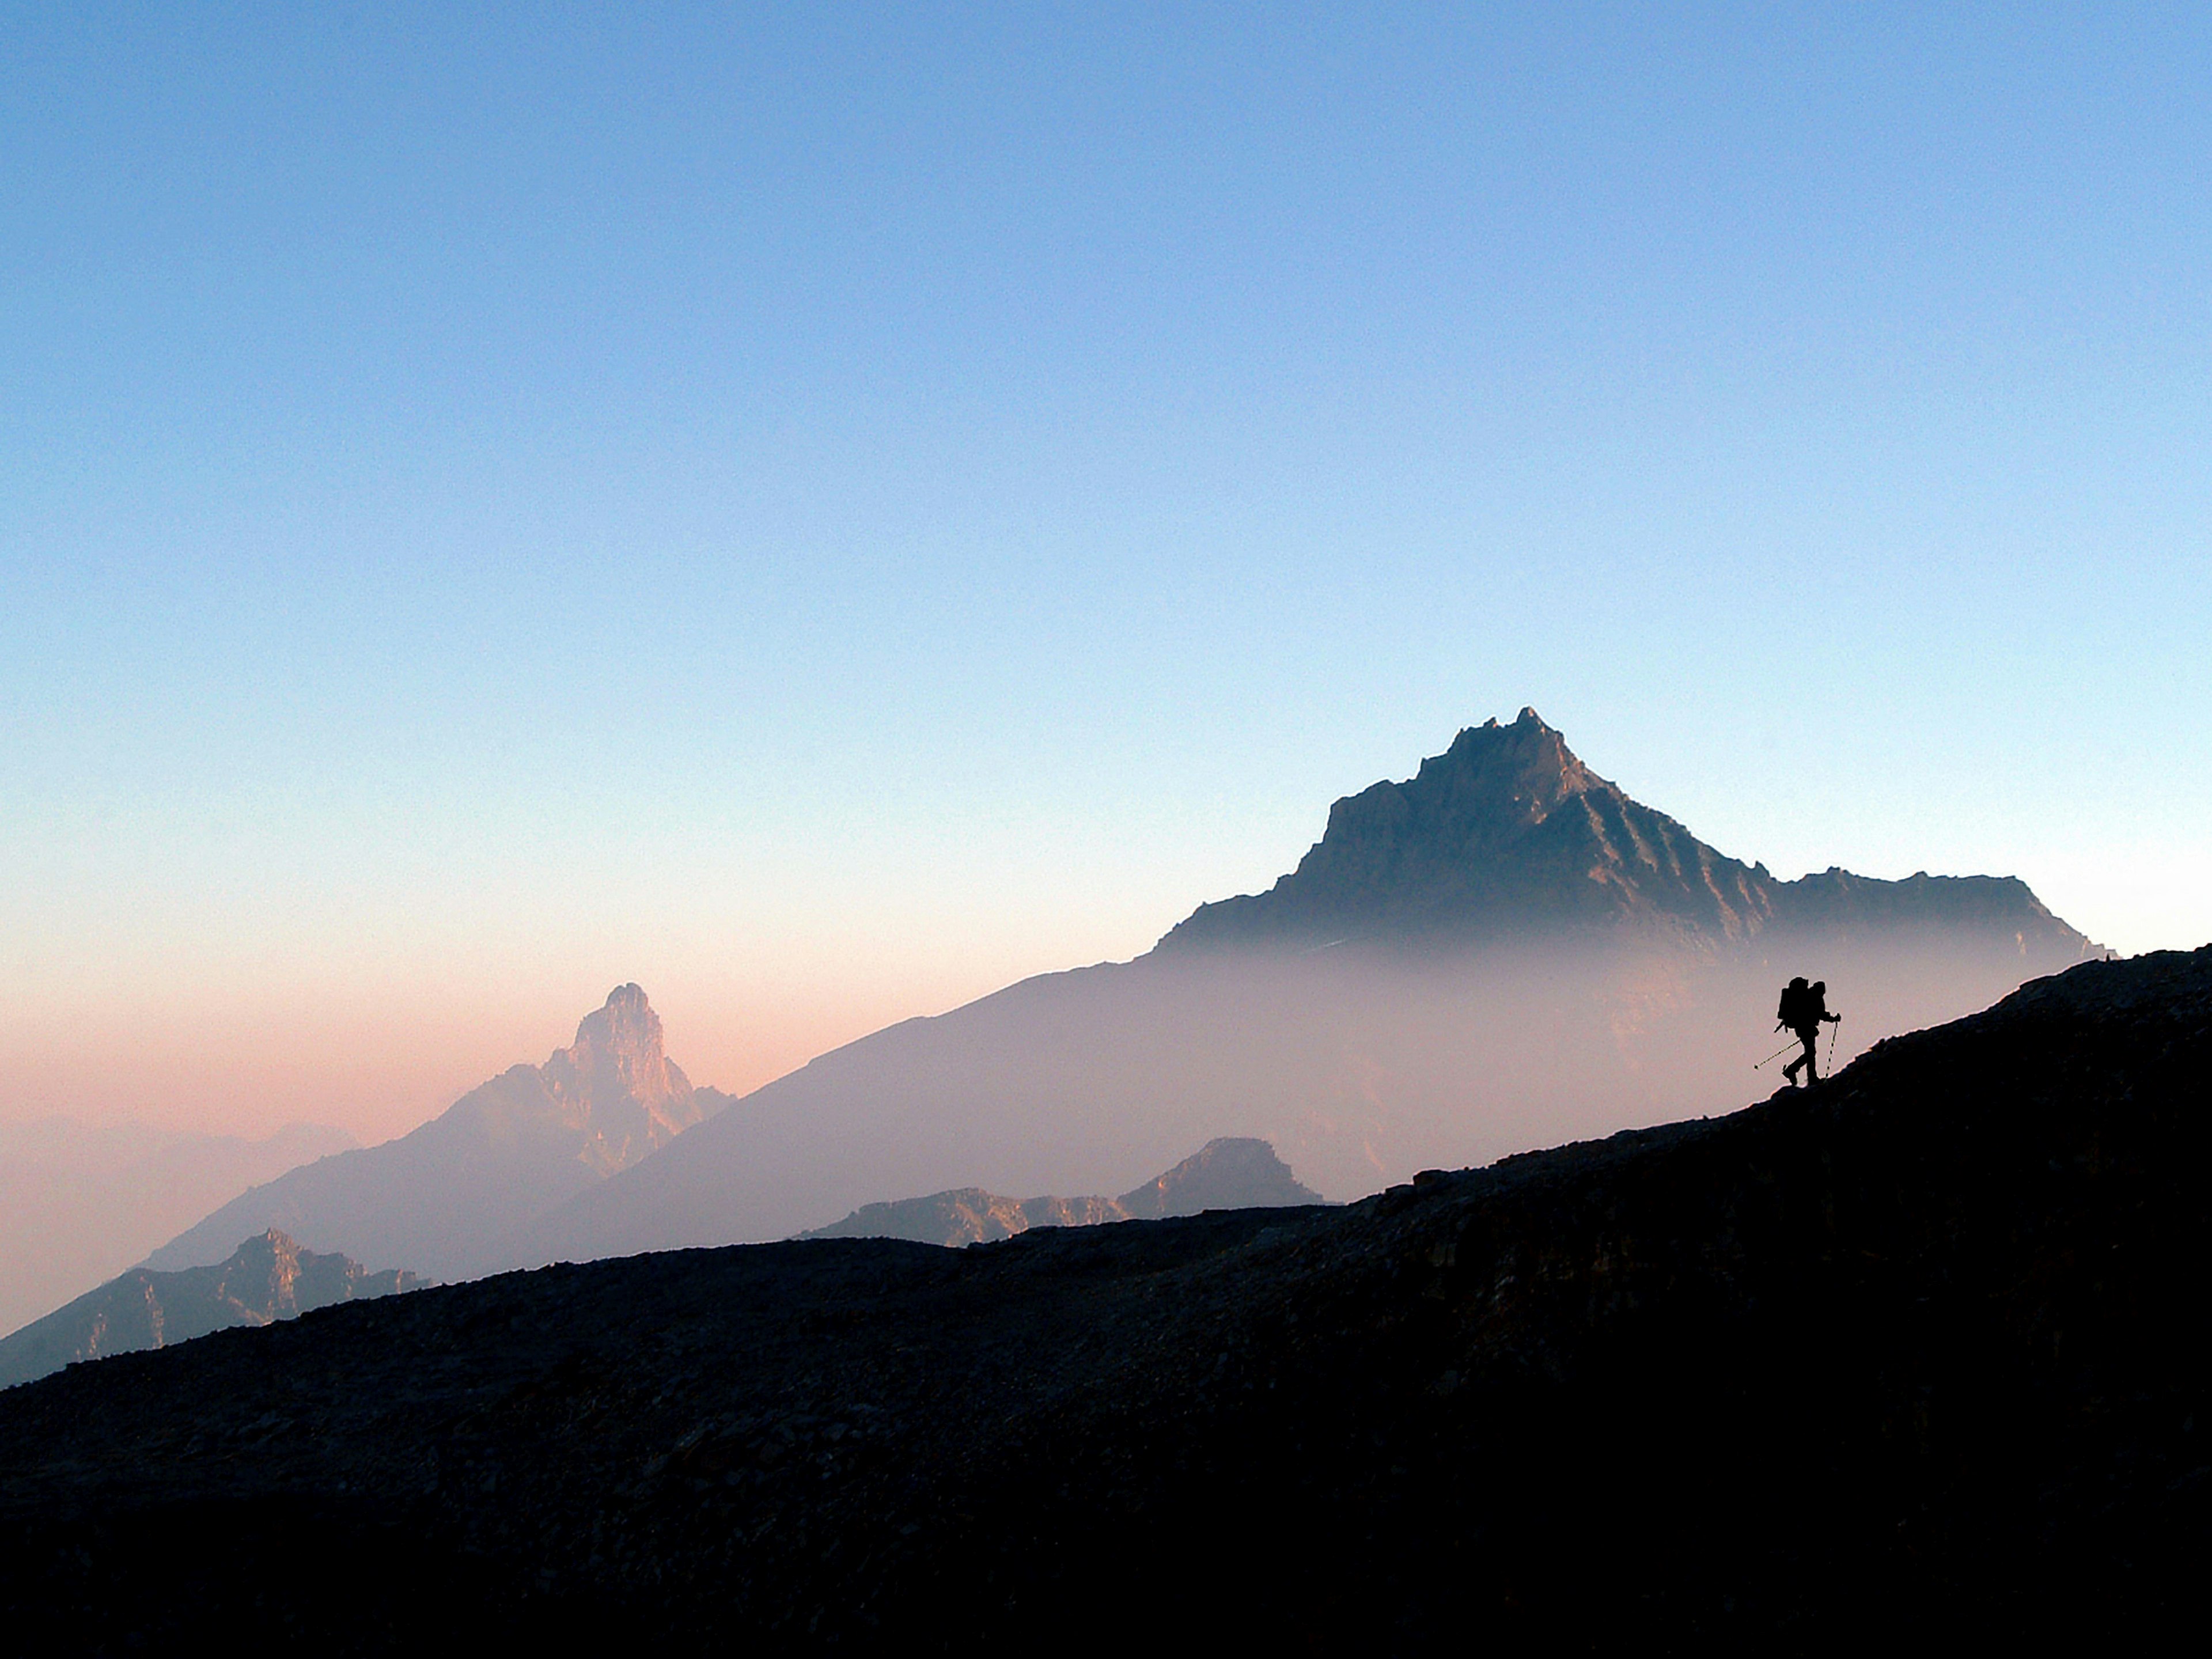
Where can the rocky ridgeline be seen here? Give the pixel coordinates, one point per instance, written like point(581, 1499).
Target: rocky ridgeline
point(1920, 1349)
point(266, 1279)
point(1230, 1173)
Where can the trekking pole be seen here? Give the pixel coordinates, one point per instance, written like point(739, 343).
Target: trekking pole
point(1777, 1054)
point(1834, 1031)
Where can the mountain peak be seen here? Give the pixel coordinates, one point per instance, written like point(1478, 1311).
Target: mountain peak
point(1507, 832)
point(618, 1049)
point(1518, 775)
point(617, 1083)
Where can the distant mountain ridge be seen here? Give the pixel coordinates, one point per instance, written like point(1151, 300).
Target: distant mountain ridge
point(1505, 945)
point(265, 1279)
point(1508, 830)
point(1229, 1173)
point(444, 1198)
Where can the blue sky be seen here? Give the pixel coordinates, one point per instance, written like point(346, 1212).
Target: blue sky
point(826, 512)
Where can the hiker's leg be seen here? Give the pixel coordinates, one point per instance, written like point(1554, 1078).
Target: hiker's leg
point(1811, 1061)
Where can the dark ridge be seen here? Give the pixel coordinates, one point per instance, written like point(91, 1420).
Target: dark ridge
point(1921, 1349)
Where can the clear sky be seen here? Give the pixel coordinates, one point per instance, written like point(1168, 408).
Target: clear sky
point(826, 510)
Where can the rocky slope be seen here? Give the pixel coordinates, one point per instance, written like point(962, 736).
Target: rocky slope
point(1224, 1174)
point(1921, 1349)
point(446, 1199)
point(266, 1279)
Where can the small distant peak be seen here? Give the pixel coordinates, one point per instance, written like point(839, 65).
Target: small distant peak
point(1530, 717)
point(629, 999)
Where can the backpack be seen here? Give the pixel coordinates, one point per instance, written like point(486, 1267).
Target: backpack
point(1790, 1009)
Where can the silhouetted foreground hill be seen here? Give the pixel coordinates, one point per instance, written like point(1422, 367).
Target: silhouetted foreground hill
point(1224, 1174)
point(1920, 1351)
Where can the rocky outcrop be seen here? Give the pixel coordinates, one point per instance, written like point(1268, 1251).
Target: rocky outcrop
point(448, 1197)
point(266, 1279)
point(1919, 1349)
point(1230, 1173)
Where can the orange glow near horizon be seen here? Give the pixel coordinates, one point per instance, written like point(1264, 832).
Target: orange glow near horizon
point(380, 1066)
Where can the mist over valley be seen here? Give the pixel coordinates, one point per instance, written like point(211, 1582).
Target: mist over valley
point(1503, 952)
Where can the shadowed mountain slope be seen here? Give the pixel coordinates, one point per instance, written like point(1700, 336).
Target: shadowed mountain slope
point(1919, 1349)
point(1519, 951)
point(1223, 1175)
point(266, 1279)
point(444, 1198)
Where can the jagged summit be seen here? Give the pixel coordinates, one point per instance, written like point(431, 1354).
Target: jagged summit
point(1507, 832)
point(1507, 829)
point(617, 1082)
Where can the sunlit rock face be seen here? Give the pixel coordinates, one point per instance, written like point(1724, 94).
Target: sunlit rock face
point(616, 1086)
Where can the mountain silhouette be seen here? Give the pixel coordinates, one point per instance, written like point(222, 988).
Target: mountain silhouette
point(266, 1279)
point(1505, 945)
point(1919, 1351)
point(1223, 1175)
point(444, 1198)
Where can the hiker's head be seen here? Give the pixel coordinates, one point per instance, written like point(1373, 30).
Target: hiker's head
point(1820, 985)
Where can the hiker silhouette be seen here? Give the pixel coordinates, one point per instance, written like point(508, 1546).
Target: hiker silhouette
point(1804, 1010)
